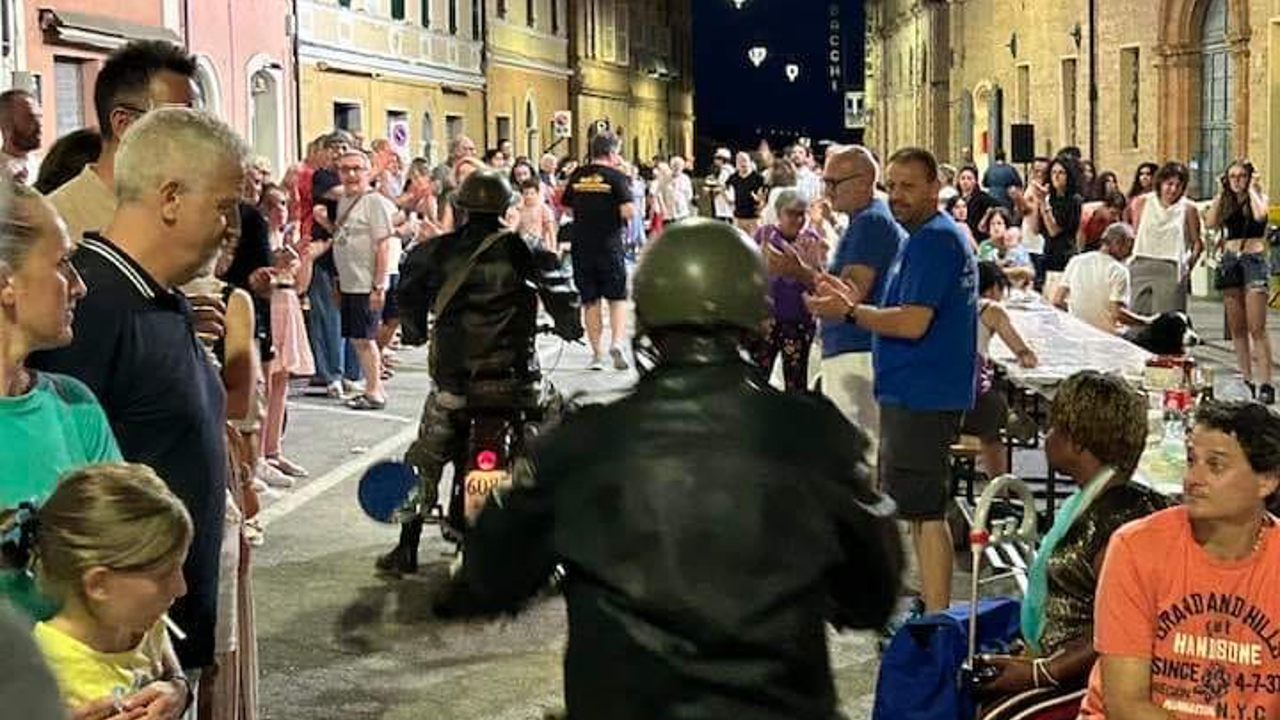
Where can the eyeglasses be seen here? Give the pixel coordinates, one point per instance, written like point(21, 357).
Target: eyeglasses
point(350, 168)
point(152, 105)
point(833, 183)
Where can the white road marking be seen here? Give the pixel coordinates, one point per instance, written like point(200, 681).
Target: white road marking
point(355, 466)
point(374, 414)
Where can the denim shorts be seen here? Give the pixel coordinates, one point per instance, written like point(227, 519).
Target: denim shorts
point(1245, 270)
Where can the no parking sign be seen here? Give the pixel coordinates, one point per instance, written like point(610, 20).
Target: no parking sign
point(398, 133)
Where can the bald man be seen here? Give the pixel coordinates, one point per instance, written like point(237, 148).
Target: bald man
point(863, 257)
point(20, 124)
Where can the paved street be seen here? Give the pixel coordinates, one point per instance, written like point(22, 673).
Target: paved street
point(339, 642)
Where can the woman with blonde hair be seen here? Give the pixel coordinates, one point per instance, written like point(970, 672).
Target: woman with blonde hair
point(49, 423)
point(110, 543)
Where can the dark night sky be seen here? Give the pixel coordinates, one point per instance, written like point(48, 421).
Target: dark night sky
point(737, 103)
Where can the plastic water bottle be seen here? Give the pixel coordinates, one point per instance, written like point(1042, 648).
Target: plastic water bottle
point(1173, 446)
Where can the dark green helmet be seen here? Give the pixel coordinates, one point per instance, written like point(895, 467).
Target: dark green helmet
point(701, 273)
point(485, 191)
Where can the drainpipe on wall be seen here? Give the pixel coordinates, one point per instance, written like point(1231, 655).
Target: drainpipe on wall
point(299, 143)
point(484, 73)
point(1093, 80)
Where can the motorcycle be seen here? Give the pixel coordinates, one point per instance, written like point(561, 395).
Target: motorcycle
point(488, 441)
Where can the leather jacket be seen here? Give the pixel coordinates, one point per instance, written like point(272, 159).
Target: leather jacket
point(710, 527)
point(483, 343)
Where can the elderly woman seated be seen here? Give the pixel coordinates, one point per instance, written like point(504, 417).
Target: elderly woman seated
point(1097, 431)
point(1189, 598)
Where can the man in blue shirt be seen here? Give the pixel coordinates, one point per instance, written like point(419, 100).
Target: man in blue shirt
point(925, 352)
point(863, 257)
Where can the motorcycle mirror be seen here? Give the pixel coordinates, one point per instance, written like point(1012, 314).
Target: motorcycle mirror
point(384, 488)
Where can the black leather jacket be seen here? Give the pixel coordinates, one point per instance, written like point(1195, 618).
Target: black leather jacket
point(484, 341)
point(710, 527)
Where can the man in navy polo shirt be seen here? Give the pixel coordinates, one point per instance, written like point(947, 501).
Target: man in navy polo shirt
point(925, 353)
point(177, 183)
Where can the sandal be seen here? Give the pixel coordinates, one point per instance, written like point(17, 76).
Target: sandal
point(287, 466)
point(364, 402)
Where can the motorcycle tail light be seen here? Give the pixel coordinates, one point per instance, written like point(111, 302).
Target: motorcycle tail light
point(486, 460)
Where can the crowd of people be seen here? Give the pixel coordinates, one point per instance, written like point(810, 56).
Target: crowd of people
point(161, 288)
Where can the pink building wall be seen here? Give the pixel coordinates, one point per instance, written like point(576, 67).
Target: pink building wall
point(233, 39)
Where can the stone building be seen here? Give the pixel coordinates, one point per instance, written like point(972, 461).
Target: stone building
point(633, 73)
point(1125, 80)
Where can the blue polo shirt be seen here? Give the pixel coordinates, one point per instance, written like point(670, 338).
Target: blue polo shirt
point(872, 239)
point(135, 347)
point(937, 269)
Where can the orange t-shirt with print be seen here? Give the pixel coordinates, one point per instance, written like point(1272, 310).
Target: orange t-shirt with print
point(1211, 628)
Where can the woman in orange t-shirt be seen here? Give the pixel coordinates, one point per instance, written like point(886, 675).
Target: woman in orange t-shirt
point(1187, 619)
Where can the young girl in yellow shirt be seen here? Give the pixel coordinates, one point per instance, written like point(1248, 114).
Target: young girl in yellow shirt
point(110, 545)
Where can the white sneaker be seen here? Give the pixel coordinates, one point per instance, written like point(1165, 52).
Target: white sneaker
point(334, 390)
point(352, 388)
point(597, 363)
point(619, 359)
point(272, 476)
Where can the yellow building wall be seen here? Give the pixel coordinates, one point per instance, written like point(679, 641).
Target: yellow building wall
point(510, 90)
point(378, 95)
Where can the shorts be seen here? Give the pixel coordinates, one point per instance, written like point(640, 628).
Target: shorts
point(600, 275)
point(358, 321)
point(1250, 271)
point(391, 309)
point(915, 459)
point(849, 381)
point(990, 415)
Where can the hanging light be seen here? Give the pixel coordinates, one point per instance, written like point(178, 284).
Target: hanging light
point(793, 71)
point(756, 54)
point(739, 3)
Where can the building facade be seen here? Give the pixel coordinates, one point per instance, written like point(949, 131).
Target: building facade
point(633, 74)
point(245, 70)
point(1125, 80)
point(66, 42)
point(407, 70)
point(527, 69)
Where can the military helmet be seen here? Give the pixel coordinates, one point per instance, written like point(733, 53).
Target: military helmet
point(485, 191)
point(701, 273)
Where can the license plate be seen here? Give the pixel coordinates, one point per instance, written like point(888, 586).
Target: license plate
point(478, 486)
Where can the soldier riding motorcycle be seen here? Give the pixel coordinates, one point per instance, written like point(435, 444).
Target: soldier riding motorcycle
point(709, 525)
point(481, 285)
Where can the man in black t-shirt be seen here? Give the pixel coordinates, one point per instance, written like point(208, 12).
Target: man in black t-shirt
point(323, 322)
point(600, 197)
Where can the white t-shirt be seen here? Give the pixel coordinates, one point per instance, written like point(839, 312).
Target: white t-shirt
point(681, 197)
point(1094, 280)
point(355, 245)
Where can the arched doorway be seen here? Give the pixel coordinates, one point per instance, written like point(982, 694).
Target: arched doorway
point(532, 150)
point(428, 138)
point(207, 83)
point(266, 115)
point(983, 102)
point(964, 138)
point(1213, 136)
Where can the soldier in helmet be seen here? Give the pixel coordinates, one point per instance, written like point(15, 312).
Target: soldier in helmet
point(709, 525)
point(481, 284)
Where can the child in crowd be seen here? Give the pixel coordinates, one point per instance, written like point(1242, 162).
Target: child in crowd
point(990, 413)
point(536, 220)
point(1003, 246)
point(110, 545)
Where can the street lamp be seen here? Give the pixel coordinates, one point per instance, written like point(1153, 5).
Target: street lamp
point(793, 71)
point(756, 54)
point(739, 3)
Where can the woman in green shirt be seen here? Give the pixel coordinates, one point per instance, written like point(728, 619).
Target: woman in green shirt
point(49, 423)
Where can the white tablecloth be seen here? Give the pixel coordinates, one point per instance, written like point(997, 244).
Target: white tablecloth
point(1065, 345)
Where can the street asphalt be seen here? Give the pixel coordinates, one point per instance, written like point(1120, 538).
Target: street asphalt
point(338, 641)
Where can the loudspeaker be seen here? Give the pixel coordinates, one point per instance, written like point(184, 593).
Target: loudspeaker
point(1023, 141)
